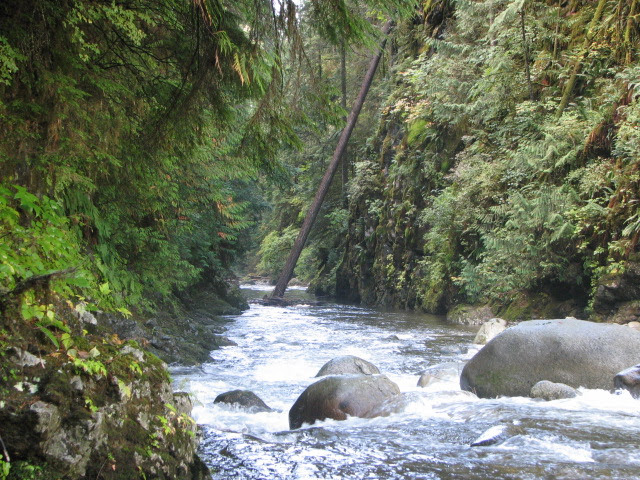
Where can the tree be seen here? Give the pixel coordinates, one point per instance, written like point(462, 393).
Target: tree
point(298, 245)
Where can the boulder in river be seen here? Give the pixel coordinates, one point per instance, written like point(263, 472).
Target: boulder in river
point(490, 329)
point(569, 351)
point(547, 390)
point(347, 365)
point(244, 398)
point(628, 379)
point(337, 396)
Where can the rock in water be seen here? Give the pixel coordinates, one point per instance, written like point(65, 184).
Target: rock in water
point(337, 396)
point(496, 434)
point(489, 330)
point(552, 391)
point(628, 379)
point(347, 365)
point(569, 351)
point(244, 398)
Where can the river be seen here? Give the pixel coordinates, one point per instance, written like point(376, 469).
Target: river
point(279, 351)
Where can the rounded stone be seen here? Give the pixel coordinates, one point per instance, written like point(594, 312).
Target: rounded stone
point(574, 352)
point(243, 398)
point(547, 390)
point(489, 330)
point(348, 365)
point(339, 396)
point(628, 379)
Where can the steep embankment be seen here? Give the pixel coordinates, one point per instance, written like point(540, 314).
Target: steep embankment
point(504, 168)
point(79, 402)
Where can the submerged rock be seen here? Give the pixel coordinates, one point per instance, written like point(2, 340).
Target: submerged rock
point(496, 435)
point(439, 373)
point(569, 351)
point(547, 390)
point(346, 365)
point(243, 398)
point(490, 329)
point(338, 396)
point(628, 379)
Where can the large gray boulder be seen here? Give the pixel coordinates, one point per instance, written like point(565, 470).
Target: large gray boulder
point(347, 365)
point(574, 352)
point(337, 396)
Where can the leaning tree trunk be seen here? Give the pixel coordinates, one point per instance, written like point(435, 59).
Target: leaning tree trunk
point(287, 271)
point(343, 103)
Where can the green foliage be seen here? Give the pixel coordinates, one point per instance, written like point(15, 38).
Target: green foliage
point(274, 250)
point(511, 195)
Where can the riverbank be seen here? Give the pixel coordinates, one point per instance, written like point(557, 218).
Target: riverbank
point(280, 350)
point(88, 394)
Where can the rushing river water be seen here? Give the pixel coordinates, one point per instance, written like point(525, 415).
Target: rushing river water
point(592, 436)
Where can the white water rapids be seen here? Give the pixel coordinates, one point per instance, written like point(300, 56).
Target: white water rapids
point(279, 351)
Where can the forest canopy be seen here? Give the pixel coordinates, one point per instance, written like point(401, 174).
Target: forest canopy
point(133, 132)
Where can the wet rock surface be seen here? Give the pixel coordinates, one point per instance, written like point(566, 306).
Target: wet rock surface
point(628, 379)
point(490, 329)
point(243, 398)
point(547, 390)
point(347, 364)
point(185, 338)
point(338, 396)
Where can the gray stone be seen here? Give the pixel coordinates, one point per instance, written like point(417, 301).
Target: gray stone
point(438, 373)
point(136, 353)
point(617, 296)
point(635, 325)
point(48, 417)
point(470, 314)
point(222, 341)
point(22, 358)
point(346, 365)
point(182, 402)
point(427, 379)
point(243, 398)
point(490, 329)
point(547, 390)
point(628, 379)
point(76, 383)
point(337, 396)
point(569, 351)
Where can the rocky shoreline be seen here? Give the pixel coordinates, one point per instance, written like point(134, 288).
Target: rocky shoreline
point(88, 395)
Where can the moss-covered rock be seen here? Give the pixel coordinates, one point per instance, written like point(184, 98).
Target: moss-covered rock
point(76, 405)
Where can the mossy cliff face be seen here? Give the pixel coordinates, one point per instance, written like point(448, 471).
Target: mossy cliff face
point(483, 186)
point(92, 406)
point(393, 185)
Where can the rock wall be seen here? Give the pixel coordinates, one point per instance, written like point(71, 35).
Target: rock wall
point(393, 184)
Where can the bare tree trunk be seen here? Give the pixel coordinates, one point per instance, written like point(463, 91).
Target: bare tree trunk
point(287, 271)
point(627, 32)
point(525, 46)
point(343, 86)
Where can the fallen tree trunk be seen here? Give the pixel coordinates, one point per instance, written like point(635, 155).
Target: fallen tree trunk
point(292, 260)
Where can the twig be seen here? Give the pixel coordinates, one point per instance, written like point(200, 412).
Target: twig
point(4, 450)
